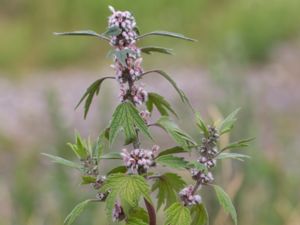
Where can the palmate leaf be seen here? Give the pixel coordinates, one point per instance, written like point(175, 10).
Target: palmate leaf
point(177, 214)
point(81, 148)
point(226, 203)
point(168, 185)
point(62, 161)
point(179, 136)
point(126, 188)
point(169, 151)
point(167, 34)
point(199, 215)
point(136, 221)
point(83, 33)
point(92, 90)
point(127, 118)
point(172, 82)
point(231, 155)
point(227, 124)
point(149, 49)
point(172, 161)
point(76, 212)
point(138, 216)
point(160, 103)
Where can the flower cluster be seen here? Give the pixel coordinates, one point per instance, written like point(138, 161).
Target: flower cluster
point(188, 197)
point(128, 65)
point(118, 213)
point(202, 176)
point(139, 160)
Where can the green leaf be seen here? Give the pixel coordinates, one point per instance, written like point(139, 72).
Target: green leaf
point(88, 180)
point(225, 202)
point(81, 148)
point(167, 34)
point(238, 144)
point(101, 144)
point(149, 49)
point(227, 124)
point(168, 186)
point(76, 212)
point(136, 221)
point(112, 155)
point(113, 31)
point(84, 33)
point(197, 165)
point(231, 155)
point(127, 118)
point(122, 55)
point(174, 150)
point(179, 136)
point(172, 161)
point(119, 169)
point(127, 188)
point(92, 90)
point(138, 216)
point(177, 214)
point(199, 215)
point(160, 103)
point(62, 161)
point(200, 123)
point(168, 78)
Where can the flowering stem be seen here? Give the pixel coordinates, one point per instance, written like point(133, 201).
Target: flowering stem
point(151, 212)
point(196, 187)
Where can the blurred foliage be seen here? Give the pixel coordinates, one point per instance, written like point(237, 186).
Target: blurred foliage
point(235, 30)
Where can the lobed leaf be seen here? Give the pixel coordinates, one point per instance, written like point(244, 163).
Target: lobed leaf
point(167, 34)
point(225, 202)
point(160, 103)
point(172, 161)
point(177, 214)
point(149, 49)
point(92, 90)
point(127, 118)
point(83, 33)
point(168, 185)
point(199, 215)
point(76, 212)
point(62, 161)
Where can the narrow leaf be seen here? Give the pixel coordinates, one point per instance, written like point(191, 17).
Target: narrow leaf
point(149, 49)
point(160, 103)
point(76, 212)
point(112, 155)
point(231, 155)
point(201, 125)
point(238, 144)
point(227, 124)
point(119, 169)
point(174, 150)
point(84, 33)
point(225, 202)
point(172, 161)
point(62, 161)
point(88, 180)
point(167, 34)
point(113, 31)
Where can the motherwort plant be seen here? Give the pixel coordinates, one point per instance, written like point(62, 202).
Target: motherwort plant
point(127, 190)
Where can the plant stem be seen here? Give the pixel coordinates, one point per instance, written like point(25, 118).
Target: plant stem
point(151, 212)
point(196, 187)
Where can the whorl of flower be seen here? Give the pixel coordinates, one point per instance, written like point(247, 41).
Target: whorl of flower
point(99, 182)
point(188, 198)
point(129, 69)
point(139, 160)
point(118, 212)
point(202, 176)
point(145, 114)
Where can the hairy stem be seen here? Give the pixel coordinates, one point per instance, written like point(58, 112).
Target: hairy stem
point(151, 212)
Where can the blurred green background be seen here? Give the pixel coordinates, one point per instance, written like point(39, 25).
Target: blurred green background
point(247, 55)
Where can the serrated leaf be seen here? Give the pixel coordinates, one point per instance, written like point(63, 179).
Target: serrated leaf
point(88, 180)
point(200, 123)
point(231, 155)
point(137, 216)
point(199, 215)
point(168, 186)
point(113, 31)
point(136, 221)
point(149, 49)
point(238, 144)
point(92, 90)
point(227, 124)
point(122, 55)
point(83, 33)
point(111, 155)
point(172, 161)
point(226, 202)
point(62, 161)
point(76, 212)
point(127, 118)
point(127, 188)
point(81, 148)
point(167, 34)
point(101, 144)
point(174, 150)
point(172, 82)
point(119, 169)
point(179, 136)
point(177, 214)
point(160, 103)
